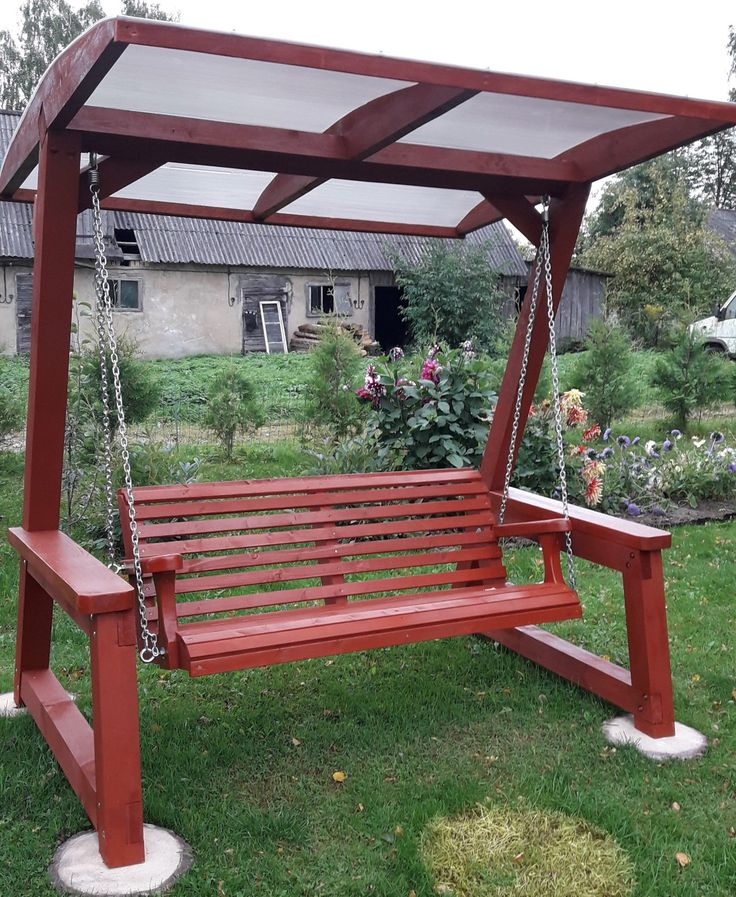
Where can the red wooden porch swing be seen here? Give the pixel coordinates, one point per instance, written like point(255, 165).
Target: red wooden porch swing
point(220, 126)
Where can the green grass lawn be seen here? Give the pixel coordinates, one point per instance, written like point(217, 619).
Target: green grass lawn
point(241, 765)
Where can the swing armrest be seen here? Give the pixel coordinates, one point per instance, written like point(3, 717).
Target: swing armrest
point(164, 563)
point(74, 578)
point(532, 528)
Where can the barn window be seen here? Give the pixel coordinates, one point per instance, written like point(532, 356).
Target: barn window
point(126, 240)
point(125, 295)
point(326, 299)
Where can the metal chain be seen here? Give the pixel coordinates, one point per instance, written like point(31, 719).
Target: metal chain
point(109, 354)
point(556, 408)
point(542, 260)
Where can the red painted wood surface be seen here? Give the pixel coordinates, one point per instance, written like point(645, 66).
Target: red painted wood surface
point(72, 576)
point(564, 222)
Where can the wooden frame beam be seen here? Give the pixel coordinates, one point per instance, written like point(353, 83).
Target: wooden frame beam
point(365, 131)
point(566, 216)
point(520, 211)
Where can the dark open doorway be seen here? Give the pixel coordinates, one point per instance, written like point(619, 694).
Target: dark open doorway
point(391, 329)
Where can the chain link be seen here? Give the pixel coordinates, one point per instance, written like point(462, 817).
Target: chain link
point(541, 262)
point(109, 355)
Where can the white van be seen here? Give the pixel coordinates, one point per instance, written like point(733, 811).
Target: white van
point(719, 330)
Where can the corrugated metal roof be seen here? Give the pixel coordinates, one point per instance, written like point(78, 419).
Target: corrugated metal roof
point(170, 240)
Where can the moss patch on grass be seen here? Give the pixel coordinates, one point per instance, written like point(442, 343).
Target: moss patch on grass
point(524, 853)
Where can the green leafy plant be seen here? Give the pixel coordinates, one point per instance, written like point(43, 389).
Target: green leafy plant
point(11, 412)
point(334, 372)
point(232, 407)
point(432, 411)
point(605, 373)
point(690, 378)
point(451, 294)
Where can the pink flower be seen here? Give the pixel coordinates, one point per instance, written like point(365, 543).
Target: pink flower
point(431, 370)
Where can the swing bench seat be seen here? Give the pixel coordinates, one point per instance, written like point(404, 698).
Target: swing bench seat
point(260, 572)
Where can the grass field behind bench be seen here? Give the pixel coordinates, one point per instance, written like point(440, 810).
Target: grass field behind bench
point(241, 765)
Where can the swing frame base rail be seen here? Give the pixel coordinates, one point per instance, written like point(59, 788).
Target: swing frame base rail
point(645, 689)
point(101, 761)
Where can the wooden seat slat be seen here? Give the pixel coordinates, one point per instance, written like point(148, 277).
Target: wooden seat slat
point(282, 501)
point(295, 537)
point(342, 549)
point(338, 568)
point(145, 494)
point(310, 518)
point(253, 641)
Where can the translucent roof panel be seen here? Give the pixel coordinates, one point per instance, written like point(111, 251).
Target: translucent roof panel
point(262, 130)
point(359, 201)
point(242, 91)
point(225, 188)
point(523, 126)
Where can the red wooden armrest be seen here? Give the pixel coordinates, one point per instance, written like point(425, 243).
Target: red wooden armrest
point(75, 579)
point(164, 563)
point(626, 533)
point(532, 528)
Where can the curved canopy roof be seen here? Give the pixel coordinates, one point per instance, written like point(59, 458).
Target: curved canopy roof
point(213, 125)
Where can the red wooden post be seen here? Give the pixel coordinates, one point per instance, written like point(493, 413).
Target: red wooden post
point(117, 749)
point(55, 228)
point(565, 217)
point(649, 653)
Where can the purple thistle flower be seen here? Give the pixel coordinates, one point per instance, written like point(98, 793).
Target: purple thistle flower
point(632, 509)
point(623, 441)
point(716, 438)
point(657, 511)
point(675, 433)
point(635, 440)
point(732, 467)
point(607, 452)
point(606, 434)
point(667, 445)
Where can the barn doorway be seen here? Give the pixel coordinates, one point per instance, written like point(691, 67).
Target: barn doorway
point(391, 329)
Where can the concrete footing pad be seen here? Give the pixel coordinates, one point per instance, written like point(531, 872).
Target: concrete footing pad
point(77, 867)
point(685, 744)
point(7, 705)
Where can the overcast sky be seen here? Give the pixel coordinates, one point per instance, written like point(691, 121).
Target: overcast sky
point(670, 47)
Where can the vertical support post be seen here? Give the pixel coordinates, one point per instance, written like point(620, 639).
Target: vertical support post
point(565, 217)
point(113, 652)
point(55, 229)
point(649, 652)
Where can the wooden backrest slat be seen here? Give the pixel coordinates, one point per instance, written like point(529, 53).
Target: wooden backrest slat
point(149, 531)
point(303, 484)
point(262, 575)
point(295, 537)
point(294, 500)
point(490, 573)
point(210, 563)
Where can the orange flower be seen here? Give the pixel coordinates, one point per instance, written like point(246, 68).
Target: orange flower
point(593, 470)
point(578, 450)
point(576, 416)
point(591, 433)
point(593, 492)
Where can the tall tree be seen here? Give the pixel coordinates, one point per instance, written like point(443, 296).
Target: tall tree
point(46, 27)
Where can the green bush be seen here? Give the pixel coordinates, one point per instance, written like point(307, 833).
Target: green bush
point(451, 295)
point(139, 387)
point(690, 378)
point(432, 411)
point(606, 374)
point(11, 412)
point(232, 406)
point(334, 373)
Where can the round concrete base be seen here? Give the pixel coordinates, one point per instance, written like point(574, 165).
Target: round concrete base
point(8, 708)
point(77, 867)
point(685, 744)
point(7, 705)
